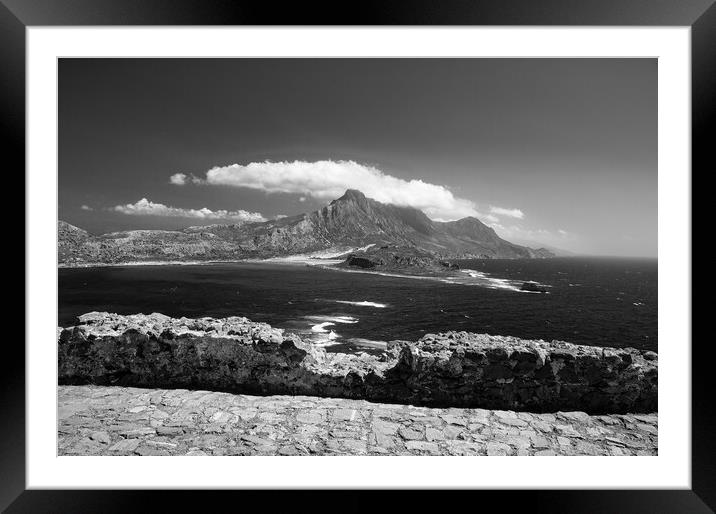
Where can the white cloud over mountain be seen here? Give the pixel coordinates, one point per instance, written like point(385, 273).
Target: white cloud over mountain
point(146, 207)
point(327, 180)
point(510, 213)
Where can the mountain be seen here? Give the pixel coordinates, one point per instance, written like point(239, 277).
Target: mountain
point(351, 221)
point(557, 252)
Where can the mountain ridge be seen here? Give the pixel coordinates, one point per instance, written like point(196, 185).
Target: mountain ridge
point(353, 220)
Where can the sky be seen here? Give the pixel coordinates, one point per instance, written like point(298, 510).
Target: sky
point(557, 152)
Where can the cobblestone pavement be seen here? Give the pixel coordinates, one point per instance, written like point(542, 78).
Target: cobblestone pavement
point(128, 421)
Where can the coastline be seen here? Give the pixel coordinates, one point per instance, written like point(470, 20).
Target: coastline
point(466, 276)
point(270, 260)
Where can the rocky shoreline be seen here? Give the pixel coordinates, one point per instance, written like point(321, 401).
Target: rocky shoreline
point(453, 369)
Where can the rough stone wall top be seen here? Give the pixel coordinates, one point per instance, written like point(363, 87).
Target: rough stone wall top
point(448, 369)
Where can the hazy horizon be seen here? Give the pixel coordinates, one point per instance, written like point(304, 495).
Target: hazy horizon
point(555, 152)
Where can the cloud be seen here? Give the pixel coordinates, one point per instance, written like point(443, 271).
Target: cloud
point(327, 180)
point(181, 179)
point(178, 179)
point(86, 208)
point(145, 207)
point(511, 213)
point(536, 236)
point(515, 231)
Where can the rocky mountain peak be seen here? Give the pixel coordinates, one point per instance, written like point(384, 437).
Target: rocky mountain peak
point(352, 194)
point(352, 197)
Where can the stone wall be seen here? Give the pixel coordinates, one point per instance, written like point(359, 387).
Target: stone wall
point(451, 369)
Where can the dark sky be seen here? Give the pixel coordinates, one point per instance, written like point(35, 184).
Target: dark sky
point(569, 143)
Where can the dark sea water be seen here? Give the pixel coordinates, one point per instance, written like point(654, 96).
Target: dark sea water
point(592, 301)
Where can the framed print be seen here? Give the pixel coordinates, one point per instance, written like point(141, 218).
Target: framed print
point(416, 248)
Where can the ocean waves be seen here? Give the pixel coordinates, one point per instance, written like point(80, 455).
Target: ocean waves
point(319, 333)
point(363, 303)
point(466, 277)
point(482, 279)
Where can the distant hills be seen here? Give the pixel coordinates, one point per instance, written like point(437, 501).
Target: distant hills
point(558, 252)
point(351, 221)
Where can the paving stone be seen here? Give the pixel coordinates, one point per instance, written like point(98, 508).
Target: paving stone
point(148, 450)
point(346, 434)
point(162, 444)
point(245, 414)
point(574, 416)
point(422, 446)
point(222, 417)
point(479, 416)
point(594, 432)
point(567, 430)
point(410, 434)
point(136, 431)
point(259, 441)
point(614, 440)
point(433, 434)
point(270, 417)
point(495, 449)
point(649, 429)
point(288, 450)
point(100, 437)
point(515, 422)
point(465, 448)
point(345, 414)
point(125, 445)
point(385, 427)
point(540, 442)
point(505, 414)
point(181, 422)
point(608, 420)
point(516, 441)
point(86, 446)
point(454, 420)
point(452, 432)
point(310, 416)
point(383, 441)
point(169, 430)
point(355, 445)
point(430, 421)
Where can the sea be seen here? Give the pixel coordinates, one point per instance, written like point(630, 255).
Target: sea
point(590, 301)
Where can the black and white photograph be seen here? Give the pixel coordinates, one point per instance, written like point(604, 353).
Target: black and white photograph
point(357, 256)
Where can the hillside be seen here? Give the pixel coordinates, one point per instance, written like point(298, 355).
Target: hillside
point(351, 221)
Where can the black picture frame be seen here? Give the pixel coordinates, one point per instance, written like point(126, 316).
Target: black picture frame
point(17, 15)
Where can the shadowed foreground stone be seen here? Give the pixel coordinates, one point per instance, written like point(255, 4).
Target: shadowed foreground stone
point(128, 421)
point(457, 369)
